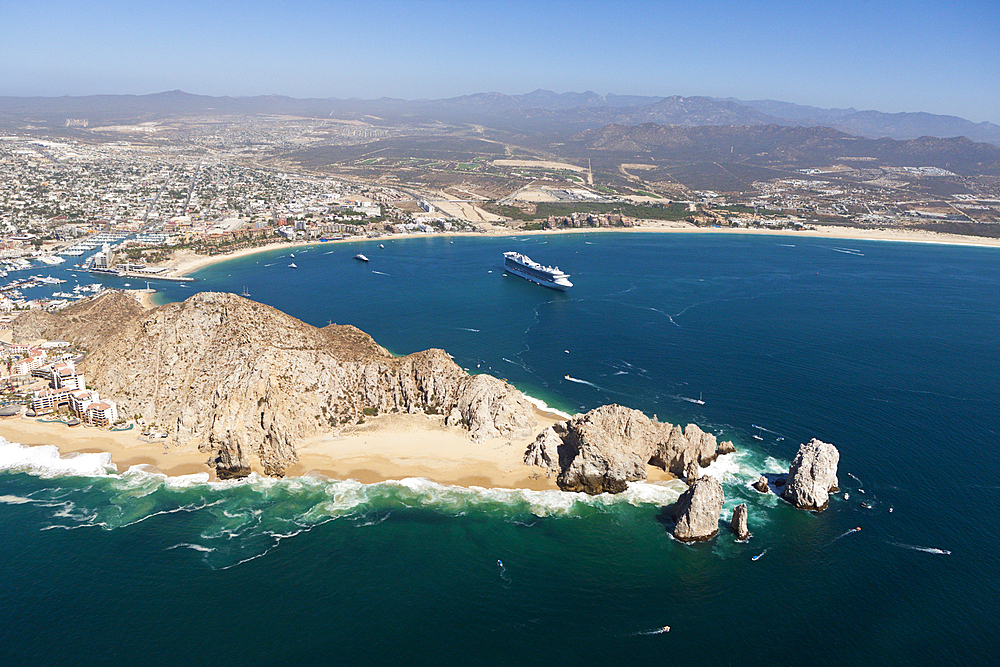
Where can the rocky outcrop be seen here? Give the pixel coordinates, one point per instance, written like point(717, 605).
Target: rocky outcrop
point(491, 408)
point(698, 509)
point(812, 476)
point(544, 451)
point(683, 447)
point(604, 449)
point(761, 485)
point(739, 523)
point(726, 447)
point(245, 383)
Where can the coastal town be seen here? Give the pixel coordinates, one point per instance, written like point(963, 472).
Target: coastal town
point(162, 199)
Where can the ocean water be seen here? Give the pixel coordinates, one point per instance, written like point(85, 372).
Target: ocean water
point(887, 350)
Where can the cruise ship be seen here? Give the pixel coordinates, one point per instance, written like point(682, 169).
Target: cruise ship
point(548, 276)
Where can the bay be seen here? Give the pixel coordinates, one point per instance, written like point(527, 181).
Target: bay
point(887, 350)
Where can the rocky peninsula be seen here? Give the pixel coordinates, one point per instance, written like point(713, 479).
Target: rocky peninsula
point(246, 384)
point(251, 389)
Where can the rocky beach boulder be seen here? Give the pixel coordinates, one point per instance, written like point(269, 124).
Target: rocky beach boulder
point(698, 510)
point(812, 476)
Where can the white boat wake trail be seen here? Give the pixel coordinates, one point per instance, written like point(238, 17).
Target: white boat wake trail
point(654, 631)
point(579, 381)
point(380, 273)
point(927, 550)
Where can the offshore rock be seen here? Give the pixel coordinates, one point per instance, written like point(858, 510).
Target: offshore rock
point(246, 383)
point(739, 523)
point(726, 447)
point(761, 485)
point(812, 476)
point(698, 509)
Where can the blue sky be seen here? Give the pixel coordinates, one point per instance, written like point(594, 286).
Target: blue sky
point(890, 55)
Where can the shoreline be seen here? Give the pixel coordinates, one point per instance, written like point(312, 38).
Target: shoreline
point(388, 447)
point(189, 262)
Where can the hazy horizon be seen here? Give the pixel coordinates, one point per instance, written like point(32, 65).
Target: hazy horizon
point(892, 57)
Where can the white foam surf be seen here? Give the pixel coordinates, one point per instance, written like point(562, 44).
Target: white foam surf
point(45, 461)
point(545, 407)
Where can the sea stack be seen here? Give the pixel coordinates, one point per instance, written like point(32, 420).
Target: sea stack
point(698, 509)
point(761, 485)
point(739, 522)
point(813, 476)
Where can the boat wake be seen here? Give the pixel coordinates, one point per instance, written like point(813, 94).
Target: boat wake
point(380, 273)
point(849, 251)
point(579, 381)
point(653, 631)
point(846, 533)
point(468, 329)
point(757, 557)
point(926, 550)
point(696, 401)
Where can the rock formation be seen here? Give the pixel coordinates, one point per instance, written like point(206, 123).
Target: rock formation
point(813, 476)
point(246, 382)
point(604, 449)
point(698, 509)
point(726, 447)
point(761, 485)
point(739, 522)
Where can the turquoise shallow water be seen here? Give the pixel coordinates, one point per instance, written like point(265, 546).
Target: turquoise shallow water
point(887, 350)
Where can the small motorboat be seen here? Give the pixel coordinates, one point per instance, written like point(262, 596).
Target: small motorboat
point(361, 257)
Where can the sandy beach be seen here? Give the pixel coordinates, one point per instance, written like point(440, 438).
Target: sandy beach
point(384, 448)
point(186, 262)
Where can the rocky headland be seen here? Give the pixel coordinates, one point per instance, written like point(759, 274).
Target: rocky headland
point(246, 383)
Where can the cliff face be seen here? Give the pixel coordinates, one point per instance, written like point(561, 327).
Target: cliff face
point(602, 450)
point(246, 382)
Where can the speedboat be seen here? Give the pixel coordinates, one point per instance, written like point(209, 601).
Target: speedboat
point(361, 257)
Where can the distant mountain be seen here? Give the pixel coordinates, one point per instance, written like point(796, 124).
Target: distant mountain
point(876, 124)
point(540, 111)
point(787, 146)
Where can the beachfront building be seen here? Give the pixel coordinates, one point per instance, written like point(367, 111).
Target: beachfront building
point(100, 413)
point(69, 391)
point(50, 400)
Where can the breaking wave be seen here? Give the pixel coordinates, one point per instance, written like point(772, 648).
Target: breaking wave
point(227, 523)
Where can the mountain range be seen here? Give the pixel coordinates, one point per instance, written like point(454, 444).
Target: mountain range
point(541, 111)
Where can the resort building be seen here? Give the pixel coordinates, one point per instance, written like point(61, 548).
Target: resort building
point(68, 391)
point(101, 413)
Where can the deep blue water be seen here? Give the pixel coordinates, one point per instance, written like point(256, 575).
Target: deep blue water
point(887, 350)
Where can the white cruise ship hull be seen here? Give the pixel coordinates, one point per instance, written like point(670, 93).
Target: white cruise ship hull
point(544, 276)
